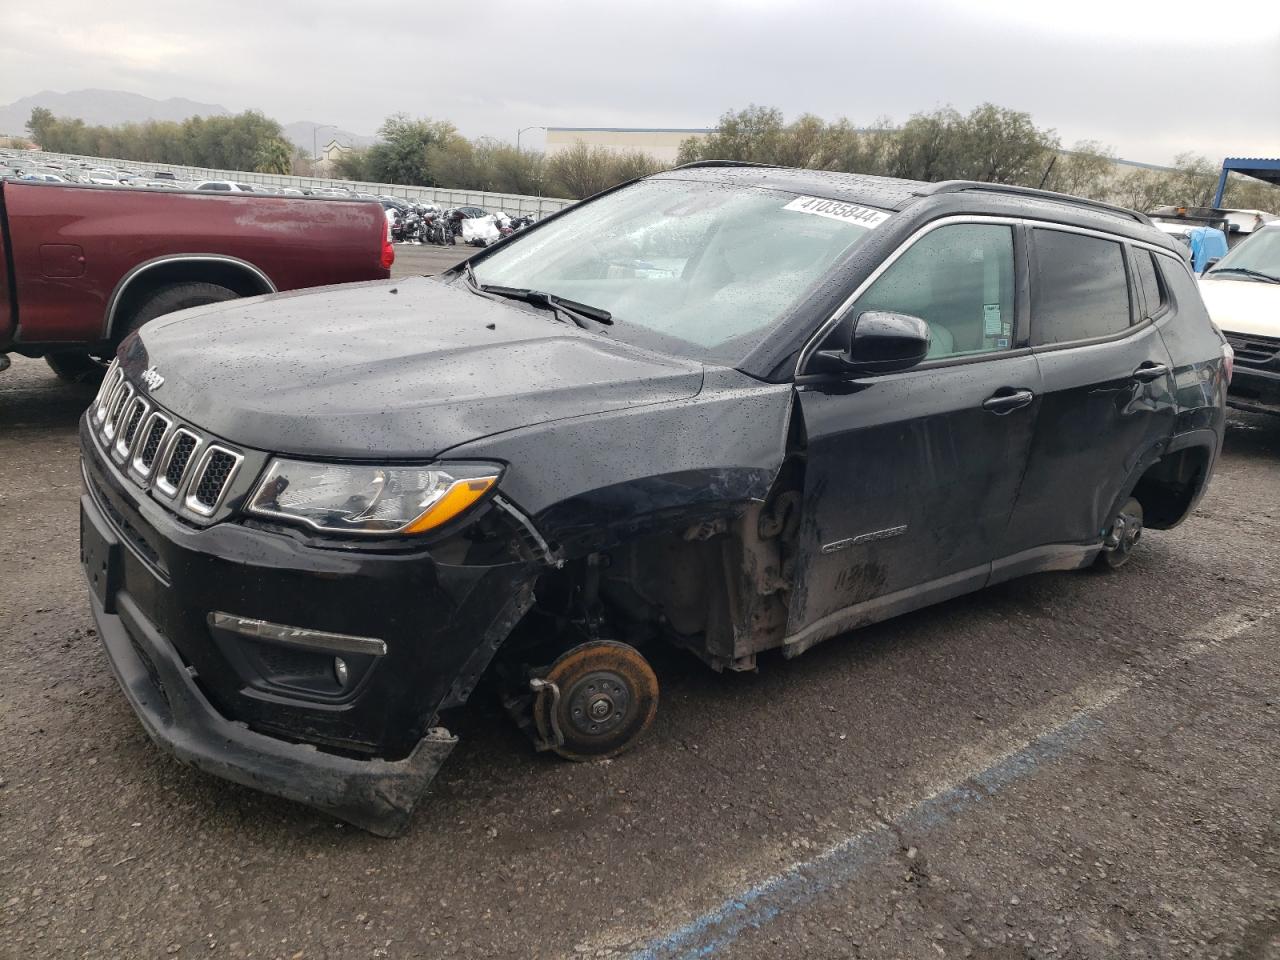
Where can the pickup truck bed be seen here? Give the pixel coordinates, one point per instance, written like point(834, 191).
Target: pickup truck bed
point(81, 266)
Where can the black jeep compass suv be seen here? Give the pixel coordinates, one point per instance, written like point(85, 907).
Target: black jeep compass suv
point(737, 408)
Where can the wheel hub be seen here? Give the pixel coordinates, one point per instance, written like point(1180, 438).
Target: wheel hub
point(598, 703)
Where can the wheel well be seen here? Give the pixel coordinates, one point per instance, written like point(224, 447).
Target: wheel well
point(234, 276)
point(1170, 487)
point(717, 582)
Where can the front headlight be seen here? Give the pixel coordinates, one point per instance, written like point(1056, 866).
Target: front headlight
point(371, 499)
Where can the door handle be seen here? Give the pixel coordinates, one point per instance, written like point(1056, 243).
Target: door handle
point(1150, 371)
point(1006, 400)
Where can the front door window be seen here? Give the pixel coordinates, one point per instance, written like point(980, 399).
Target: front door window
point(959, 280)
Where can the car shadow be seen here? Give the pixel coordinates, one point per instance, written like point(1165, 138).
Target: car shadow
point(31, 397)
point(1252, 434)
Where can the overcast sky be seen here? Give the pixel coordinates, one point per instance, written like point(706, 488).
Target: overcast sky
point(1150, 79)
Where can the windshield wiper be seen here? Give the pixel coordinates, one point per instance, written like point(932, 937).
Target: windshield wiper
point(1246, 271)
point(576, 312)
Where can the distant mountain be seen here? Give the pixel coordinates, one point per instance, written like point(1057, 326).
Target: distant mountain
point(112, 107)
point(107, 107)
point(300, 134)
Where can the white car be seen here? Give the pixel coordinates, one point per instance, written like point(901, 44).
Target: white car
point(224, 186)
point(1242, 292)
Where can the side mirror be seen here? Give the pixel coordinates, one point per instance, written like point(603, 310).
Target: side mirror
point(1211, 263)
point(880, 342)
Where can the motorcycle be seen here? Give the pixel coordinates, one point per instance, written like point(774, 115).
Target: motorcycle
point(433, 225)
point(398, 226)
point(412, 227)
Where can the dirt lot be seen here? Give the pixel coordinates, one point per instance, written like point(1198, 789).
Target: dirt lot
point(1071, 765)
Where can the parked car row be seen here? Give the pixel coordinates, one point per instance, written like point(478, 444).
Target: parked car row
point(26, 165)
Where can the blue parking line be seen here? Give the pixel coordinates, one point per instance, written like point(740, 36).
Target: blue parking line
point(752, 909)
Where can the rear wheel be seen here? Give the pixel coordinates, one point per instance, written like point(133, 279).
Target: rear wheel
point(596, 700)
point(179, 296)
point(1122, 536)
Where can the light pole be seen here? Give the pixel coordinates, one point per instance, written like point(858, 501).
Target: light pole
point(521, 131)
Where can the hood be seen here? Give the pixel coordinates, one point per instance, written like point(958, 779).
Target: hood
point(1243, 306)
point(404, 368)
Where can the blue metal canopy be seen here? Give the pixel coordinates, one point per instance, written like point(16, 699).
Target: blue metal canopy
point(1259, 168)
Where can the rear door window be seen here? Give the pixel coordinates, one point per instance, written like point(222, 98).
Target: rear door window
point(1080, 289)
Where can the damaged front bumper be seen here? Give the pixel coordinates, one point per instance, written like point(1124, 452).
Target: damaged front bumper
point(273, 716)
point(378, 795)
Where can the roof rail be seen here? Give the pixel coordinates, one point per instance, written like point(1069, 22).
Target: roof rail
point(722, 163)
point(963, 186)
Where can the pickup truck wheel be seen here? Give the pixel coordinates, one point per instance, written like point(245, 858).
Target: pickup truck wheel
point(596, 700)
point(76, 367)
point(1122, 537)
point(179, 296)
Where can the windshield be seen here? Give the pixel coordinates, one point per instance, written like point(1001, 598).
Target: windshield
point(1258, 254)
point(694, 268)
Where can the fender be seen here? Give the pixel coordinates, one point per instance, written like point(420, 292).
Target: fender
point(666, 465)
point(113, 304)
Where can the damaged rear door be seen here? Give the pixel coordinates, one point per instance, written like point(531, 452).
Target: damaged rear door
point(911, 477)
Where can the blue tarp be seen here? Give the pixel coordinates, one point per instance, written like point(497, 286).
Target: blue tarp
point(1207, 243)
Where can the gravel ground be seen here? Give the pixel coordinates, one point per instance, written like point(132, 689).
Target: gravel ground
point(1069, 765)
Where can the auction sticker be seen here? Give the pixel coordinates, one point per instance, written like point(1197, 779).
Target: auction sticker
point(838, 210)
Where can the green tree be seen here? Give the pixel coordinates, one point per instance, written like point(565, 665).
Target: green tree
point(242, 142)
point(41, 125)
point(353, 165)
point(1086, 170)
point(753, 135)
point(454, 163)
point(402, 154)
point(274, 156)
point(582, 171)
point(1194, 181)
point(1142, 190)
point(997, 145)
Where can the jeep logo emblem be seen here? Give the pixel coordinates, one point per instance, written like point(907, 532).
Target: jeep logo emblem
point(152, 379)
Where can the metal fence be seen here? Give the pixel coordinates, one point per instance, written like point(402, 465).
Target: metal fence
point(512, 203)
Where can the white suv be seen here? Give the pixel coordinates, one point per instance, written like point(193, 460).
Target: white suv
point(1242, 292)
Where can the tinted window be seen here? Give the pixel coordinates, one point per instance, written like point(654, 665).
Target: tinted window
point(1183, 289)
point(959, 280)
point(1147, 278)
point(1081, 289)
point(214, 186)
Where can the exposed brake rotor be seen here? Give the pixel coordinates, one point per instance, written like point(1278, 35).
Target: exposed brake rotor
point(596, 700)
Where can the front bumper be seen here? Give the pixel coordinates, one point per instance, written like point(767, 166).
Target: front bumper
point(1254, 391)
point(364, 755)
point(378, 795)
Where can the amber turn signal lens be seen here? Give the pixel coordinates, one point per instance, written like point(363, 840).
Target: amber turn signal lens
point(460, 495)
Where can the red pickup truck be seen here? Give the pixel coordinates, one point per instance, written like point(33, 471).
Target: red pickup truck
point(81, 266)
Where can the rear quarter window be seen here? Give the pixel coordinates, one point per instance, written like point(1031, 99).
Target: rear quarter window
point(1080, 289)
point(1148, 280)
